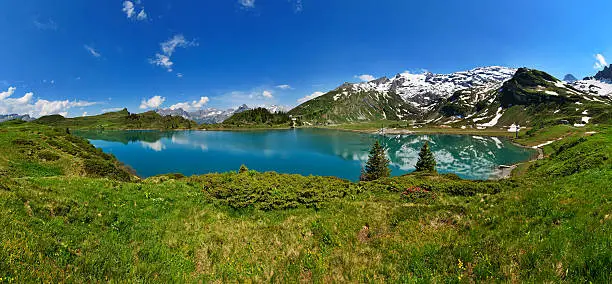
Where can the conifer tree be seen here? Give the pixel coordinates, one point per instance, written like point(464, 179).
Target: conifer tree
point(426, 162)
point(377, 165)
point(243, 169)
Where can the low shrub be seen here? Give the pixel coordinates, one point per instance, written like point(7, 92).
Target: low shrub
point(101, 168)
point(415, 194)
point(268, 191)
point(48, 156)
point(23, 142)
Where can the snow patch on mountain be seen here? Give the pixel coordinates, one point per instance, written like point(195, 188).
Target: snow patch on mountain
point(424, 90)
point(213, 115)
point(594, 87)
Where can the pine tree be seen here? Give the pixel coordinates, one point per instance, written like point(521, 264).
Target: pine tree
point(427, 162)
point(243, 169)
point(377, 165)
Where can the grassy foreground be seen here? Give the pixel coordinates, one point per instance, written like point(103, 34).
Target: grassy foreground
point(65, 218)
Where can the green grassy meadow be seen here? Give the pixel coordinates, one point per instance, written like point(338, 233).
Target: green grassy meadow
point(70, 213)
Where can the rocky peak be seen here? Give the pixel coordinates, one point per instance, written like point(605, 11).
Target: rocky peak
point(605, 74)
point(570, 78)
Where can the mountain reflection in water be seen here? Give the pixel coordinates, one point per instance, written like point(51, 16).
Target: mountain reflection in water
point(302, 151)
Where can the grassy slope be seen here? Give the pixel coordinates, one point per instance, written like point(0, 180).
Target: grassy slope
point(119, 120)
point(359, 106)
point(552, 224)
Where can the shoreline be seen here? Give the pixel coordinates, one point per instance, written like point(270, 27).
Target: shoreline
point(500, 172)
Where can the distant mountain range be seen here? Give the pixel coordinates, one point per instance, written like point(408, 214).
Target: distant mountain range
point(482, 97)
point(213, 115)
point(405, 96)
point(7, 117)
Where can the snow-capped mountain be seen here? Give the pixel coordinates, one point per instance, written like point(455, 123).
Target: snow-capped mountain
point(277, 108)
point(594, 87)
point(8, 117)
point(208, 116)
point(423, 90)
point(599, 85)
point(213, 115)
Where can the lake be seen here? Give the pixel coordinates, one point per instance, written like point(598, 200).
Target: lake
point(301, 151)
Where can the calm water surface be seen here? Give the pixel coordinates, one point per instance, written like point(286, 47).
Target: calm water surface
point(301, 151)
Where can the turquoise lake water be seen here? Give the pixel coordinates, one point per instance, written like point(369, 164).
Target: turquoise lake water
point(302, 151)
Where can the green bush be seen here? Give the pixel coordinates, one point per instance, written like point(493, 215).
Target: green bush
point(415, 194)
point(268, 191)
point(48, 156)
point(101, 168)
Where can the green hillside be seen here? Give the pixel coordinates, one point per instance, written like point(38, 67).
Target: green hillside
point(258, 116)
point(344, 105)
point(64, 223)
point(119, 120)
point(531, 98)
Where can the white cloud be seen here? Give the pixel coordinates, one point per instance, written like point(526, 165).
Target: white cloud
point(180, 75)
point(153, 102)
point(7, 93)
point(310, 97)
point(254, 97)
point(247, 3)
point(49, 25)
point(284, 87)
point(163, 61)
point(267, 94)
point(92, 51)
point(168, 47)
point(36, 108)
point(84, 114)
point(142, 15)
point(365, 77)
point(601, 62)
point(128, 8)
point(297, 6)
point(191, 106)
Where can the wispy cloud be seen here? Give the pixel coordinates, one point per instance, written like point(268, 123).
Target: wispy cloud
point(284, 87)
point(365, 77)
point(163, 61)
point(310, 97)
point(256, 97)
point(142, 15)
point(45, 25)
point(129, 8)
point(168, 47)
point(297, 5)
point(601, 61)
point(267, 94)
point(92, 51)
point(7, 93)
point(248, 4)
point(35, 108)
point(191, 106)
point(153, 102)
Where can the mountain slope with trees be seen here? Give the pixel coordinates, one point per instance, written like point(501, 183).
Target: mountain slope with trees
point(119, 120)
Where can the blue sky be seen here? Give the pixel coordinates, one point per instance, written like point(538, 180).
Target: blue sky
point(73, 57)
